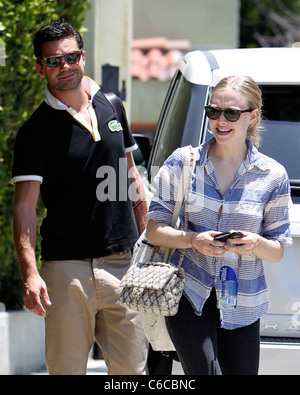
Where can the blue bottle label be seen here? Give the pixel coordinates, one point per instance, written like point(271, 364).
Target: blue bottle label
point(229, 280)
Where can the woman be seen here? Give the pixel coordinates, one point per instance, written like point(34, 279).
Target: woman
point(233, 187)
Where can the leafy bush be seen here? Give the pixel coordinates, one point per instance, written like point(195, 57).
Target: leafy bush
point(21, 91)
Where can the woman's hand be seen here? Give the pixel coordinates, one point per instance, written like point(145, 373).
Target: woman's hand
point(204, 242)
point(243, 245)
point(252, 243)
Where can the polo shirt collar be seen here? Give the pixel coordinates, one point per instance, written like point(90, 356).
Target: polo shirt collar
point(90, 86)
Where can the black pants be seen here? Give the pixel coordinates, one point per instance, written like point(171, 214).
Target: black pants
point(160, 362)
point(206, 349)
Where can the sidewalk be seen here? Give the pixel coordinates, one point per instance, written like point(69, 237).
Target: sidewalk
point(98, 367)
point(95, 367)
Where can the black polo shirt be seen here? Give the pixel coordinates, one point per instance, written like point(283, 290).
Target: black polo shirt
point(84, 183)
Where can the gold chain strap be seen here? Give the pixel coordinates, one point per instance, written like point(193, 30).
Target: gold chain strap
point(191, 168)
point(185, 202)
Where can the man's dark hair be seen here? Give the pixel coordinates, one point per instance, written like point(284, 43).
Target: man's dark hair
point(54, 31)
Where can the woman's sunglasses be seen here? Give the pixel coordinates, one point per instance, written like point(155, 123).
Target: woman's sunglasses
point(229, 114)
point(70, 58)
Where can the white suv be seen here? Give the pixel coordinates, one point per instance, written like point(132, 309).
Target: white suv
point(182, 122)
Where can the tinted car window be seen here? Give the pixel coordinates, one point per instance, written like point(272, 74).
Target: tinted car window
point(281, 141)
point(281, 137)
point(281, 103)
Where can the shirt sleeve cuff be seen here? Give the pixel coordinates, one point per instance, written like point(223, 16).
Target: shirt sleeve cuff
point(16, 179)
point(132, 148)
point(158, 213)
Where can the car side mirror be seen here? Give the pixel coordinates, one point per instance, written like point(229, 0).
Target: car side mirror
point(141, 155)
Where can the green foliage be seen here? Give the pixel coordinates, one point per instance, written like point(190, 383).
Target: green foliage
point(21, 91)
point(269, 23)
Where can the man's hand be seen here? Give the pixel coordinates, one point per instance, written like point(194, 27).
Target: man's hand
point(35, 291)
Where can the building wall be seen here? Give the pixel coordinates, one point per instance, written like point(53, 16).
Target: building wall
point(107, 39)
point(208, 24)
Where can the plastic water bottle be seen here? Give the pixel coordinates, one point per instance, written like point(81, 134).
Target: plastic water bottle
point(228, 280)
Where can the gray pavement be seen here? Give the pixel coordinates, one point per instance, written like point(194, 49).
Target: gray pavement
point(98, 367)
point(95, 367)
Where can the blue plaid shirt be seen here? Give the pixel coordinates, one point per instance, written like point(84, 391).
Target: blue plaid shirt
point(258, 201)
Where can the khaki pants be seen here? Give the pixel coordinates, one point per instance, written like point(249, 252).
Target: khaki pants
point(84, 308)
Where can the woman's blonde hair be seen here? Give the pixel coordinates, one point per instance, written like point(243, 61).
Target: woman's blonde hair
point(248, 88)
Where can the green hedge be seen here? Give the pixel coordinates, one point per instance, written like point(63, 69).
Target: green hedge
point(21, 91)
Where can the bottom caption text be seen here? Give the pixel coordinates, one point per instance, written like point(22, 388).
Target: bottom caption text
point(150, 384)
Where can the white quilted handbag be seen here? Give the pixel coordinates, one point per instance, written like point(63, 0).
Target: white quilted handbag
point(153, 286)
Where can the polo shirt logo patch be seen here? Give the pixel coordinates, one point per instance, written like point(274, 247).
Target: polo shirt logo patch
point(115, 126)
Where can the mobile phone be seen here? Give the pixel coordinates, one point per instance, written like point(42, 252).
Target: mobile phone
point(228, 235)
point(222, 236)
point(236, 235)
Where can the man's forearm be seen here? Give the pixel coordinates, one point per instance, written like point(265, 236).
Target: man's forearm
point(24, 229)
point(137, 195)
point(35, 289)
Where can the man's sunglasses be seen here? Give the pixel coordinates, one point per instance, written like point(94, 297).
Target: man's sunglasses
point(70, 58)
point(229, 114)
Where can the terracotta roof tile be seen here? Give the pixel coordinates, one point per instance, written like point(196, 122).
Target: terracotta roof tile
point(156, 57)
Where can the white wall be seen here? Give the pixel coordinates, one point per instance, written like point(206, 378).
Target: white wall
point(22, 343)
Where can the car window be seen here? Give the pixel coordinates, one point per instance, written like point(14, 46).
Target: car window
point(281, 103)
point(281, 141)
point(281, 137)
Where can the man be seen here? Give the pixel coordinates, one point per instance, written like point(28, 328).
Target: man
point(66, 150)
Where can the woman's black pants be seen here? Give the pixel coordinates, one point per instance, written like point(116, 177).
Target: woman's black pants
point(206, 349)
